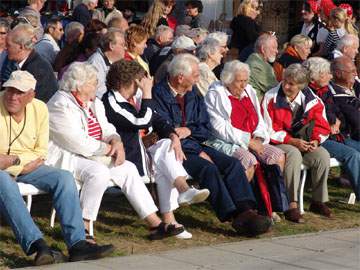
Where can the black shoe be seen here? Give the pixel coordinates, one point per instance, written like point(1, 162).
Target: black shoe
point(251, 223)
point(84, 250)
point(49, 256)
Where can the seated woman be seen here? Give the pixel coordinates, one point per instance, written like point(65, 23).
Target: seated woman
point(128, 108)
point(237, 122)
point(297, 51)
point(135, 42)
point(210, 55)
point(339, 145)
point(297, 124)
point(85, 143)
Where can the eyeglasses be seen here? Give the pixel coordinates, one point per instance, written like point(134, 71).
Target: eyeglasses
point(354, 71)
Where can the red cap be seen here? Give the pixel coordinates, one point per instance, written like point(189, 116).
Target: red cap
point(348, 8)
point(327, 6)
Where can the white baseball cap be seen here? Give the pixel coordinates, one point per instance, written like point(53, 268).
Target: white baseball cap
point(21, 80)
point(183, 42)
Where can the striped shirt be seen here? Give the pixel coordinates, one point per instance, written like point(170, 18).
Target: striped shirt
point(94, 128)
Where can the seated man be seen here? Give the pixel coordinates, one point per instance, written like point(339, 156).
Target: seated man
point(231, 196)
point(297, 125)
point(345, 89)
point(23, 146)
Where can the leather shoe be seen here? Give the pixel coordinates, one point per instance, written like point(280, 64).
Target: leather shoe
point(84, 250)
point(293, 215)
point(251, 223)
point(320, 208)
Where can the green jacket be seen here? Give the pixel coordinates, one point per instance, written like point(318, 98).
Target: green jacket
point(262, 76)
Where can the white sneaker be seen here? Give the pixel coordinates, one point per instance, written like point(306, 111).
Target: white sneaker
point(184, 235)
point(193, 195)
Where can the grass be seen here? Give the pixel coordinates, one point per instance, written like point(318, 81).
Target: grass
point(118, 224)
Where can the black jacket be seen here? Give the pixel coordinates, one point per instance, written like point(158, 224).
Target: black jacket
point(245, 32)
point(128, 122)
point(350, 107)
point(46, 83)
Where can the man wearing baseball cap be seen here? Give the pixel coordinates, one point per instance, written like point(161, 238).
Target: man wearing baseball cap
point(24, 125)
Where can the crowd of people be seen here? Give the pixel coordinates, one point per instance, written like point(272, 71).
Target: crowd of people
point(103, 98)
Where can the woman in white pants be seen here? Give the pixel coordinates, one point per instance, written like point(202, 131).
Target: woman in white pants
point(85, 143)
point(128, 106)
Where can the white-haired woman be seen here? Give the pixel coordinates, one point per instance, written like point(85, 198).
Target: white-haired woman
point(237, 121)
point(210, 55)
point(339, 145)
point(86, 144)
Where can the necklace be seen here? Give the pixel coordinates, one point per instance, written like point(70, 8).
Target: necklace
point(16, 137)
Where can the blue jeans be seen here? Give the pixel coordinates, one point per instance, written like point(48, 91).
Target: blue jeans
point(61, 185)
point(349, 155)
point(230, 191)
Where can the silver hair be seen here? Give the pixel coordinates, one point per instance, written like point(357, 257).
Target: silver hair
point(182, 29)
point(316, 66)
point(262, 41)
point(24, 34)
point(297, 73)
point(219, 36)
point(227, 75)
point(161, 29)
point(73, 28)
point(346, 41)
point(77, 75)
point(182, 64)
point(89, 1)
point(209, 46)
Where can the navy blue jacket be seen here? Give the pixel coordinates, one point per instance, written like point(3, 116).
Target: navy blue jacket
point(350, 108)
point(128, 122)
point(197, 118)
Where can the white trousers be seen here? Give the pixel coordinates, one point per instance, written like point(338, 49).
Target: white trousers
point(166, 170)
point(95, 178)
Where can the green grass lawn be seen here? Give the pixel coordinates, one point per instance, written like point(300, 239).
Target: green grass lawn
point(118, 224)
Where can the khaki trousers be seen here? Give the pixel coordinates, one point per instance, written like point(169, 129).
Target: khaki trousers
point(318, 162)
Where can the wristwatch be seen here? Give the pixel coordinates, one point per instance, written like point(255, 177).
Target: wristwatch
point(16, 162)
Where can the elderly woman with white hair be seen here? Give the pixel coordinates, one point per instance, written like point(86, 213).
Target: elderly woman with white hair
point(297, 124)
point(85, 143)
point(210, 55)
point(236, 119)
point(339, 145)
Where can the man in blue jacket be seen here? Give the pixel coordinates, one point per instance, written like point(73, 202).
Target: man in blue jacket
point(231, 195)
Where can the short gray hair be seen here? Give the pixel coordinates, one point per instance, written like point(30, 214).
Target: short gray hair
point(209, 46)
point(4, 23)
point(181, 64)
point(23, 34)
point(89, 1)
point(77, 75)
point(219, 36)
point(110, 38)
point(346, 41)
point(227, 75)
point(182, 29)
point(316, 66)
point(263, 40)
point(298, 73)
point(161, 29)
point(73, 29)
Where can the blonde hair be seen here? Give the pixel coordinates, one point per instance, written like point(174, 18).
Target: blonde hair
point(300, 41)
point(152, 17)
point(245, 7)
point(339, 14)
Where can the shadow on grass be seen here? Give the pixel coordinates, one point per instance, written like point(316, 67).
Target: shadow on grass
point(12, 260)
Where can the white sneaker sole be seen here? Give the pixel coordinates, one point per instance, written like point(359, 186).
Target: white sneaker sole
point(184, 235)
point(198, 198)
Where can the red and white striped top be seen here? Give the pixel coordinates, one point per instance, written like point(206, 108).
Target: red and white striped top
point(94, 128)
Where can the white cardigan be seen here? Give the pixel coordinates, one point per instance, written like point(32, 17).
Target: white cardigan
point(69, 131)
point(219, 108)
